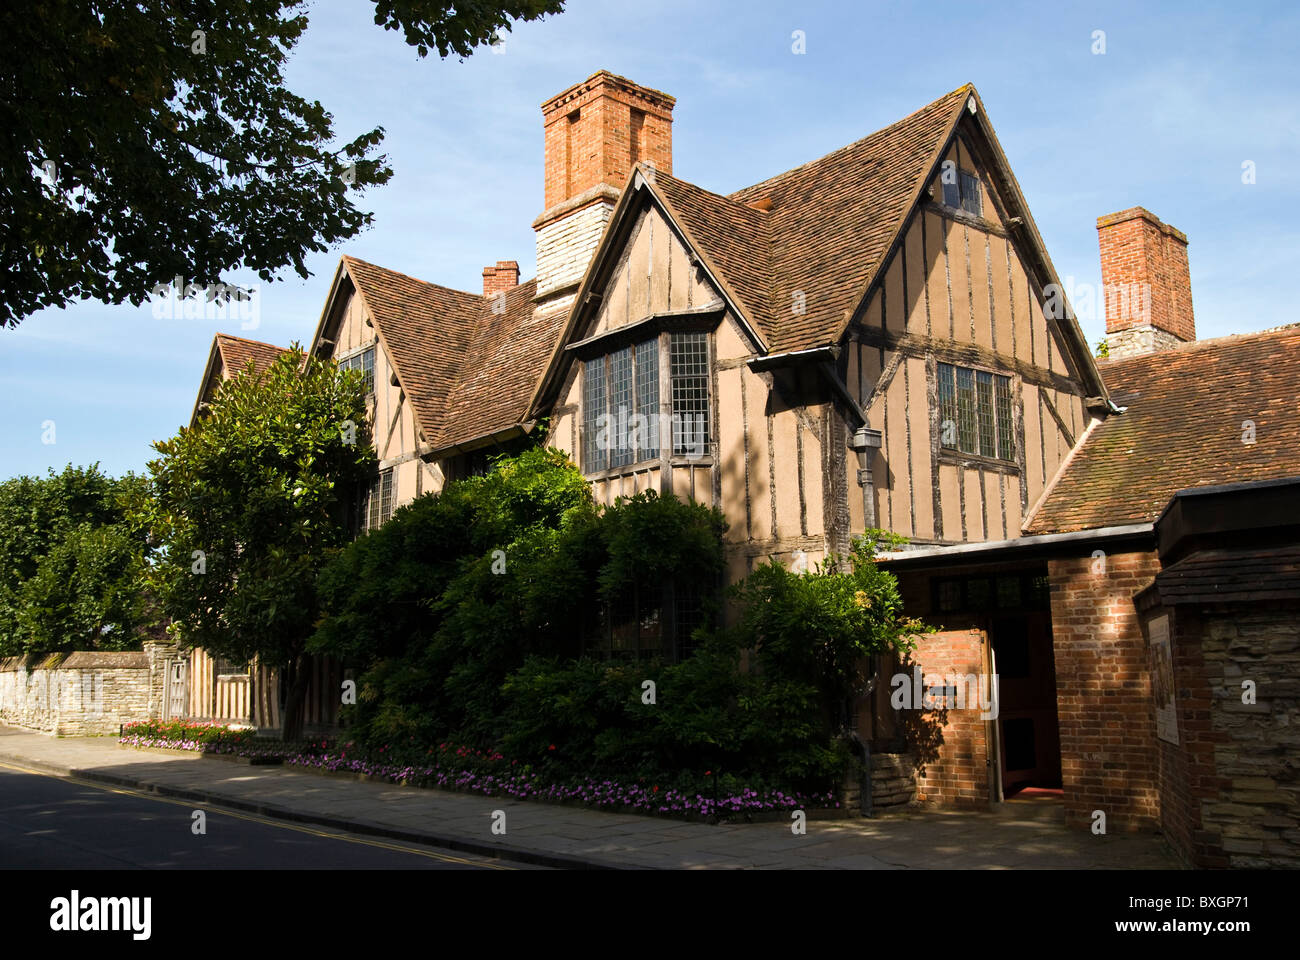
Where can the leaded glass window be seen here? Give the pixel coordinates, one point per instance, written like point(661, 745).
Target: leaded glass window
point(975, 412)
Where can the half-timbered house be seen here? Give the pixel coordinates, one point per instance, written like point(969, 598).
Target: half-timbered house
point(877, 338)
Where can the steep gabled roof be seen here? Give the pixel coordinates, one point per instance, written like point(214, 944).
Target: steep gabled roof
point(233, 354)
point(822, 233)
point(426, 330)
point(829, 229)
point(834, 220)
point(467, 371)
point(1183, 427)
point(236, 352)
point(736, 237)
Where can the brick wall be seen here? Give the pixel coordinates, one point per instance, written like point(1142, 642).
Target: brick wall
point(1103, 690)
point(1142, 255)
point(951, 744)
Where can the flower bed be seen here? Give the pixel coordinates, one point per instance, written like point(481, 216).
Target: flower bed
point(464, 769)
point(186, 735)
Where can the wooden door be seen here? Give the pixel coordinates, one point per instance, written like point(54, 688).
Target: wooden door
point(177, 690)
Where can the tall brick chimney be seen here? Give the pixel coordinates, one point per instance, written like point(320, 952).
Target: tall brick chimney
point(500, 278)
point(596, 131)
point(1148, 284)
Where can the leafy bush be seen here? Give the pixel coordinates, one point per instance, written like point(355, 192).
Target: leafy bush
point(465, 615)
point(73, 562)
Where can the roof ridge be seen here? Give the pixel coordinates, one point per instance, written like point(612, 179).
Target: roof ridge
point(964, 88)
point(260, 343)
point(407, 276)
point(1193, 345)
point(726, 197)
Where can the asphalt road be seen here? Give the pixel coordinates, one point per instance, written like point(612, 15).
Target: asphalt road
point(55, 822)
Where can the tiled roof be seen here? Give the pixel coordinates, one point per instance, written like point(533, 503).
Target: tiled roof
point(735, 238)
point(468, 371)
point(426, 329)
point(236, 352)
point(502, 367)
point(829, 228)
point(1183, 428)
point(824, 229)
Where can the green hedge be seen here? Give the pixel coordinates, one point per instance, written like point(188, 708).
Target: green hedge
point(464, 616)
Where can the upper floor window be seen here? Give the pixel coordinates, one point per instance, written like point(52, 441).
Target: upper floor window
point(621, 408)
point(689, 362)
point(975, 412)
point(377, 502)
point(365, 362)
point(964, 194)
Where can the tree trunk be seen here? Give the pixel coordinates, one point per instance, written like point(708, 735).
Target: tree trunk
point(296, 695)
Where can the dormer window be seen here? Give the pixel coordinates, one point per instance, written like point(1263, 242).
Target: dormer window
point(964, 194)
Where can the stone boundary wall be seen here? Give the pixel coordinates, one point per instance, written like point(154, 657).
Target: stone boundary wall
point(1249, 804)
point(87, 693)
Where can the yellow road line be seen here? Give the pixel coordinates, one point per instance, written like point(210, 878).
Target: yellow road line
point(223, 811)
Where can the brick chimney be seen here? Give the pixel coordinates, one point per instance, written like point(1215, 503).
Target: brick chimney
point(595, 132)
point(500, 278)
point(1148, 285)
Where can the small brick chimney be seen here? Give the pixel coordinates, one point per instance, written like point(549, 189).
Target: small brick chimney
point(595, 132)
point(1148, 284)
point(500, 278)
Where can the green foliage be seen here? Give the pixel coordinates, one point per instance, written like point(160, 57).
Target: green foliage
point(820, 626)
point(440, 605)
point(460, 28)
point(257, 495)
point(1102, 349)
point(72, 563)
point(156, 112)
point(458, 642)
point(440, 602)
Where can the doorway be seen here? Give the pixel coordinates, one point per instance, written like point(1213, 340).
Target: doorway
point(1029, 740)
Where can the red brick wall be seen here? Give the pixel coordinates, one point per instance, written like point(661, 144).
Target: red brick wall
point(597, 129)
point(1187, 774)
point(1138, 249)
point(952, 744)
point(1103, 690)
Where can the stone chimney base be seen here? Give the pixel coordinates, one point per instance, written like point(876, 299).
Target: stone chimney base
point(1136, 341)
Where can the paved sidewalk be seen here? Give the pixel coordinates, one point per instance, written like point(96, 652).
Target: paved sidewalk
point(1018, 836)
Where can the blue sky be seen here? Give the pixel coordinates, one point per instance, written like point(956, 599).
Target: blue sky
point(1165, 118)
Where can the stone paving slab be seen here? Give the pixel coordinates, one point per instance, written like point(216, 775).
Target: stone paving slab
point(571, 837)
